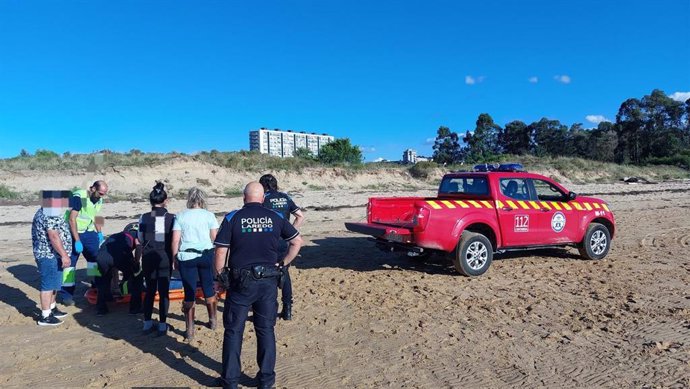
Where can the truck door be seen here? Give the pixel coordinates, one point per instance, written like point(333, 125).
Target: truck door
point(517, 217)
point(556, 222)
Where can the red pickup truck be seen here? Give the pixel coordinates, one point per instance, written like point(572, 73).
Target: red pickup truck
point(478, 213)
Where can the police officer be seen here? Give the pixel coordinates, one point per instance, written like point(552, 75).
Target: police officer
point(283, 204)
point(251, 237)
point(116, 254)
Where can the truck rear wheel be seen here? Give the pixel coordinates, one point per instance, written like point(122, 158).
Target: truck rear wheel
point(596, 243)
point(473, 254)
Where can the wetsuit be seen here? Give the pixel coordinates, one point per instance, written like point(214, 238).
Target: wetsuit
point(155, 235)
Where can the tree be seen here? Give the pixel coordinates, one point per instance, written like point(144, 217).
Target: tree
point(482, 144)
point(303, 153)
point(340, 151)
point(603, 141)
point(578, 141)
point(515, 138)
point(629, 122)
point(447, 146)
point(549, 138)
point(662, 131)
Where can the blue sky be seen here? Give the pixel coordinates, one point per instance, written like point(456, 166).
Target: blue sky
point(81, 76)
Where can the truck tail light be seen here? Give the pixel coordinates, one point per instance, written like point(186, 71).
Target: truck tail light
point(421, 219)
point(369, 212)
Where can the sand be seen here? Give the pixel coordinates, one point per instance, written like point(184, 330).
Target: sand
point(369, 319)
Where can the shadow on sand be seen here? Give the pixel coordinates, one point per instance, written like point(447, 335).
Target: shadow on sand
point(167, 349)
point(361, 254)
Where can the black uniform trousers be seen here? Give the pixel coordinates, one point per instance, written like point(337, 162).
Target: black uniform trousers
point(262, 296)
point(107, 264)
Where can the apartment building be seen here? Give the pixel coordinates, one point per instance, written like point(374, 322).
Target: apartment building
point(281, 143)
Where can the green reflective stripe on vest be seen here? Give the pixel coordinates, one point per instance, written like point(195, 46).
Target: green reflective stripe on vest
point(68, 276)
point(86, 220)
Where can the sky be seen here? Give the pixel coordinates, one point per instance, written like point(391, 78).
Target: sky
point(189, 76)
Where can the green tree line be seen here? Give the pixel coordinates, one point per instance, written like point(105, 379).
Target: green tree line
point(652, 130)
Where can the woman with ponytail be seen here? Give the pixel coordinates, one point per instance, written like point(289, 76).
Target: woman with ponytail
point(155, 235)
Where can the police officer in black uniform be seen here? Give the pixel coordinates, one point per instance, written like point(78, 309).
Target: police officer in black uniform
point(251, 236)
point(282, 203)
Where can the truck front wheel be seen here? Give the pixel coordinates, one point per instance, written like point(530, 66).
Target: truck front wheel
point(473, 254)
point(596, 243)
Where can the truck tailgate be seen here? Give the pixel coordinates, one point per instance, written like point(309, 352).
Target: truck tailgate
point(381, 231)
point(397, 211)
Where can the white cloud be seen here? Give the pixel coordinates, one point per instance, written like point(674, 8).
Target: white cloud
point(471, 80)
point(379, 159)
point(596, 119)
point(430, 141)
point(680, 96)
point(533, 80)
point(562, 78)
point(367, 149)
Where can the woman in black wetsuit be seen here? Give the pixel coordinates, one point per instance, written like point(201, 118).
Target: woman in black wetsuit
point(155, 235)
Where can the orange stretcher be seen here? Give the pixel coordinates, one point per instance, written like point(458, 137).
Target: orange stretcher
point(176, 294)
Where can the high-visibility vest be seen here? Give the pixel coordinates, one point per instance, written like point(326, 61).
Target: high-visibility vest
point(86, 220)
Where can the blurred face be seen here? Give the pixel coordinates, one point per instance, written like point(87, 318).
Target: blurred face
point(55, 202)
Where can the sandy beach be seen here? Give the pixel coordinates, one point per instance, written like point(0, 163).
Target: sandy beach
point(368, 319)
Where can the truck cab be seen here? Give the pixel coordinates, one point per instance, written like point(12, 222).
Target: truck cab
point(505, 209)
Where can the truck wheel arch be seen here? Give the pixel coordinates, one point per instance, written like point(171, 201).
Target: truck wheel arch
point(601, 220)
point(480, 228)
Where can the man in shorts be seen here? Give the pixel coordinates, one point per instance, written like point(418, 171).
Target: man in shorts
point(52, 243)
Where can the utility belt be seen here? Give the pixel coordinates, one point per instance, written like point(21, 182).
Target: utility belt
point(231, 277)
point(195, 251)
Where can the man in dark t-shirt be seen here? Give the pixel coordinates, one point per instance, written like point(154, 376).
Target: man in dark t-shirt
point(282, 203)
point(252, 236)
point(120, 252)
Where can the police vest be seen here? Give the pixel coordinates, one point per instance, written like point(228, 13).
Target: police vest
point(86, 220)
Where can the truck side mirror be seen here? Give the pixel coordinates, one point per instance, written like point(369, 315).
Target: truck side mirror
point(572, 196)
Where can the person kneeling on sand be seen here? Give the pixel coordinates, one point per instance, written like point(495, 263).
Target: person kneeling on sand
point(51, 242)
point(116, 254)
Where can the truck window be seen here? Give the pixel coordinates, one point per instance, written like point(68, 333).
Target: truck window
point(547, 191)
point(465, 185)
point(515, 188)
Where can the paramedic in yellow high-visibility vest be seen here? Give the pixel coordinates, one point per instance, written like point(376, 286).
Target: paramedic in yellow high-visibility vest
point(86, 233)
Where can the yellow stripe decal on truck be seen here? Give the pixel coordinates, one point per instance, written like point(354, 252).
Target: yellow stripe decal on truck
point(606, 207)
point(523, 204)
point(461, 203)
point(566, 206)
point(476, 204)
point(486, 204)
point(534, 205)
point(596, 205)
point(448, 204)
point(545, 204)
point(512, 204)
point(499, 204)
point(555, 205)
point(434, 205)
point(589, 207)
point(577, 206)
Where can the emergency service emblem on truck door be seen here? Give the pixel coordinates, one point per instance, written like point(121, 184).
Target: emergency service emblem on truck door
point(521, 223)
point(558, 222)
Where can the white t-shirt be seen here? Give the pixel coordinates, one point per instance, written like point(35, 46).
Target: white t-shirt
point(195, 224)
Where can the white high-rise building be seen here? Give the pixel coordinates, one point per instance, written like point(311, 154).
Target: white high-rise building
point(282, 143)
point(409, 156)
